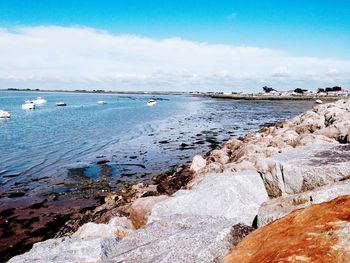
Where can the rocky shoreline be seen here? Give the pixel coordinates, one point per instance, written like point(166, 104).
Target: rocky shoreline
point(280, 180)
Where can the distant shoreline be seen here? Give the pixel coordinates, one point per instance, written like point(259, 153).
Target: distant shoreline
point(268, 97)
point(105, 92)
point(213, 95)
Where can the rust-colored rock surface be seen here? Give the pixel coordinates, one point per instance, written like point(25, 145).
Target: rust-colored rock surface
point(319, 233)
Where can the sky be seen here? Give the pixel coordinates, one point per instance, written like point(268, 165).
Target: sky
point(174, 45)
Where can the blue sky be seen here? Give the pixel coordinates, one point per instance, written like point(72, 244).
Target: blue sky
point(299, 29)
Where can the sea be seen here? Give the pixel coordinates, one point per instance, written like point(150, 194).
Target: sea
point(52, 151)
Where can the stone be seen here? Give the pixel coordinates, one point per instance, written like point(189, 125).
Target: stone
point(141, 209)
point(198, 163)
point(319, 233)
point(219, 156)
point(94, 230)
point(179, 238)
point(304, 168)
point(241, 166)
point(236, 196)
point(276, 208)
point(105, 230)
point(68, 250)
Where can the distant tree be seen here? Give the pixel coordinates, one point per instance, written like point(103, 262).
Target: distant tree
point(336, 88)
point(300, 91)
point(268, 89)
point(328, 89)
point(320, 90)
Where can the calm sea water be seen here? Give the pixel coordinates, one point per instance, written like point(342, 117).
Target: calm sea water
point(38, 148)
point(56, 162)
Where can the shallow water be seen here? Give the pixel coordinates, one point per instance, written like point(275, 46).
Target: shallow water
point(55, 159)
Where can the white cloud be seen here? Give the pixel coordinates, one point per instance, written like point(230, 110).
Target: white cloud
point(75, 57)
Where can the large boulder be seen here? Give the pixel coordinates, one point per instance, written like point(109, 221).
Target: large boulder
point(277, 208)
point(141, 209)
point(304, 168)
point(319, 233)
point(236, 196)
point(68, 249)
point(179, 238)
point(173, 239)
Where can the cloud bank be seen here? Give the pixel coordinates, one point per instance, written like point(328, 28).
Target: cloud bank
point(51, 57)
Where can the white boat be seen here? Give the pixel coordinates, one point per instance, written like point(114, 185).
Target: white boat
point(4, 114)
point(101, 102)
point(28, 105)
point(39, 101)
point(61, 103)
point(318, 101)
point(151, 102)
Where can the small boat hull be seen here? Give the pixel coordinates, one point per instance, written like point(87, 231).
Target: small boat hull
point(61, 104)
point(4, 114)
point(151, 102)
point(28, 106)
point(39, 101)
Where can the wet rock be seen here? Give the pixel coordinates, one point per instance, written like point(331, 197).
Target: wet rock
point(277, 208)
point(319, 233)
point(198, 163)
point(304, 168)
point(170, 182)
point(68, 249)
point(141, 209)
point(236, 196)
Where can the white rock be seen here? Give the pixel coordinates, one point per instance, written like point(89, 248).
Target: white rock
point(198, 163)
point(235, 196)
point(177, 238)
point(68, 250)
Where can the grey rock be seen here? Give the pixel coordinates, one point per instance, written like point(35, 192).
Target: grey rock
point(180, 238)
point(276, 208)
point(237, 196)
point(68, 249)
point(305, 168)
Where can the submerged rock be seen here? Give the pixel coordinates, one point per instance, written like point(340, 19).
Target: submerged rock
point(319, 233)
point(237, 196)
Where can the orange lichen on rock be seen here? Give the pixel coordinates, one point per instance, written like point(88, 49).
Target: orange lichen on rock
point(319, 233)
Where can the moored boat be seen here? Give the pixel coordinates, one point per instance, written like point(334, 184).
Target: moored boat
point(318, 101)
point(101, 102)
point(28, 105)
point(61, 103)
point(39, 101)
point(151, 102)
point(4, 114)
